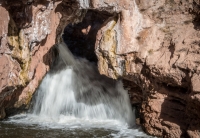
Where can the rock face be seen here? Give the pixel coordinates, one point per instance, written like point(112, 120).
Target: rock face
point(29, 28)
point(27, 33)
point(153, 45)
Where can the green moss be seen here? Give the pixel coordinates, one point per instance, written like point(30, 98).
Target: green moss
point(108, 33)
point(16, 41)
point(29, 97)
point(109, 37)
point(108, 59)
point(13, 39)
point(24, 74)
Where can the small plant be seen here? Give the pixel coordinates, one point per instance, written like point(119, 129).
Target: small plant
point(150, 51)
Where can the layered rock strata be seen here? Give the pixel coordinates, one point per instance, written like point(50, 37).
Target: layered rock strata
point(153, 45)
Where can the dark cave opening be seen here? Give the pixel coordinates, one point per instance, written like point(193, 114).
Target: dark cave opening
point(81, 37)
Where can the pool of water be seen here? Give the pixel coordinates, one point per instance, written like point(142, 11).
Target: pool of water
point(75, 102)
point(10, 130)
point(29, 126)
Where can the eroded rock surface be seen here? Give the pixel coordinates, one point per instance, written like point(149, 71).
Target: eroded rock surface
point(153, 45)
point(27, 35)
point(29, 29)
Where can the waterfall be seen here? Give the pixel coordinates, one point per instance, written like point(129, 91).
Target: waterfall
point(80, 91)
point(74, 100)
point(84, 4)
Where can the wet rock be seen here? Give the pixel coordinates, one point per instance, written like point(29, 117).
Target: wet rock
point(153, 45)
point(27, 33)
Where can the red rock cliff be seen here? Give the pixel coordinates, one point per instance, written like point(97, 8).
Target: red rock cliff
point(29, 28)
point(153, 45)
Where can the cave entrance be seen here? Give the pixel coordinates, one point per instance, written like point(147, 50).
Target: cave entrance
point(74, 97)
point(81, 37)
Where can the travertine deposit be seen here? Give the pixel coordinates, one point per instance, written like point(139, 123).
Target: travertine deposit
point(152, 45)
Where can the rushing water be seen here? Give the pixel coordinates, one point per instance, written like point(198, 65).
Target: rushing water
point(75, 101)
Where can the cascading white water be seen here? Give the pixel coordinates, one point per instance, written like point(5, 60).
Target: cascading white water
point(79, 91)
point(84, 4)
point(75, 98)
